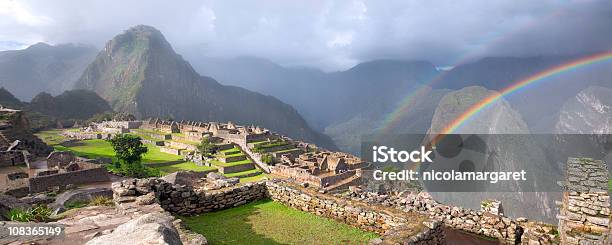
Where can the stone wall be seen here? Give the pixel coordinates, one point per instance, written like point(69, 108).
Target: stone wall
point(160, 136)
point(152, 142)
point(236, 168)
point(232, 158)
point(121, 124)
point(277, 148)
point(256, 137)
point(184, 200)
point(43, 183)
point(585, 212)
point(458, 218)
point(170, 150)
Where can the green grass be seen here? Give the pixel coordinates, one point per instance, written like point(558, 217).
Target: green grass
point(222, 164)
point(231, 154)
point(253, 178)
point(242, 173)
point(102, 148)
point(178, 134)
point(51, 137)
point(268, 222)
point(185, 166)
point(76, 204)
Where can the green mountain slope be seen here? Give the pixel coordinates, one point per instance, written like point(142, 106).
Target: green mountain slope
point(138, 72)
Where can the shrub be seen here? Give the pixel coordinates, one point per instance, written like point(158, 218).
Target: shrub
point(101, 201)
point(39, 213)
point(267, 158)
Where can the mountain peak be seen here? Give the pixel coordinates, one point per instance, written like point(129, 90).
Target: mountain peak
point(39, 46)
point(137, 39)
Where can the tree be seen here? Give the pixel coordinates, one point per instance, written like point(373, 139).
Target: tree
point(206, 147)
point(267, 158)
point(129, 150)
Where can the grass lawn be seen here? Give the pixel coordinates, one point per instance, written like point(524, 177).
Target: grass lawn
point(185, 166)
point(268, 222)
point(102, 148)
point(243, 173)
point(51, 137)
point(253, 178)
point(148, 131)
point(222, 164)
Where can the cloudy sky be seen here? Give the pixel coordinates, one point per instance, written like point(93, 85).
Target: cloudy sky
point(330, 35)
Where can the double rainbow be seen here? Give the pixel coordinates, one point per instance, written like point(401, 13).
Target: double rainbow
point(572, 65)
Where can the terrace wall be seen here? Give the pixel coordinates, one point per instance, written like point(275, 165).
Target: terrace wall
point(277, 148)
point(232, 158)
point(159, 136)
point(236, 168)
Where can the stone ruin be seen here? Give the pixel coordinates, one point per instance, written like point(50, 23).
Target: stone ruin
point(17, 143)
point(195, 131)
point(58, 170)
point(102, 130)
point(320, 169)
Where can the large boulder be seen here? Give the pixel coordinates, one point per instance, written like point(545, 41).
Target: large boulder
point(184, 177)
point(153, 228)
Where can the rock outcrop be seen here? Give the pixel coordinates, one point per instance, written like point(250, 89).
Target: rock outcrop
point(498, 153)
point(154, 228)
point(589, 112)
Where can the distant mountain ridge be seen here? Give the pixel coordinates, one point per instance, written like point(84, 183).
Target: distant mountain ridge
point(358, 98)
point(46, 110)
point(43, 68)
point(138, 72)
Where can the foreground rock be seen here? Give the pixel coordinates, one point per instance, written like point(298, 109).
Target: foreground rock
point(154, 228)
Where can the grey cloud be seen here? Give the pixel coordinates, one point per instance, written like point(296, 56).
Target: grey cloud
point(327, 34)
